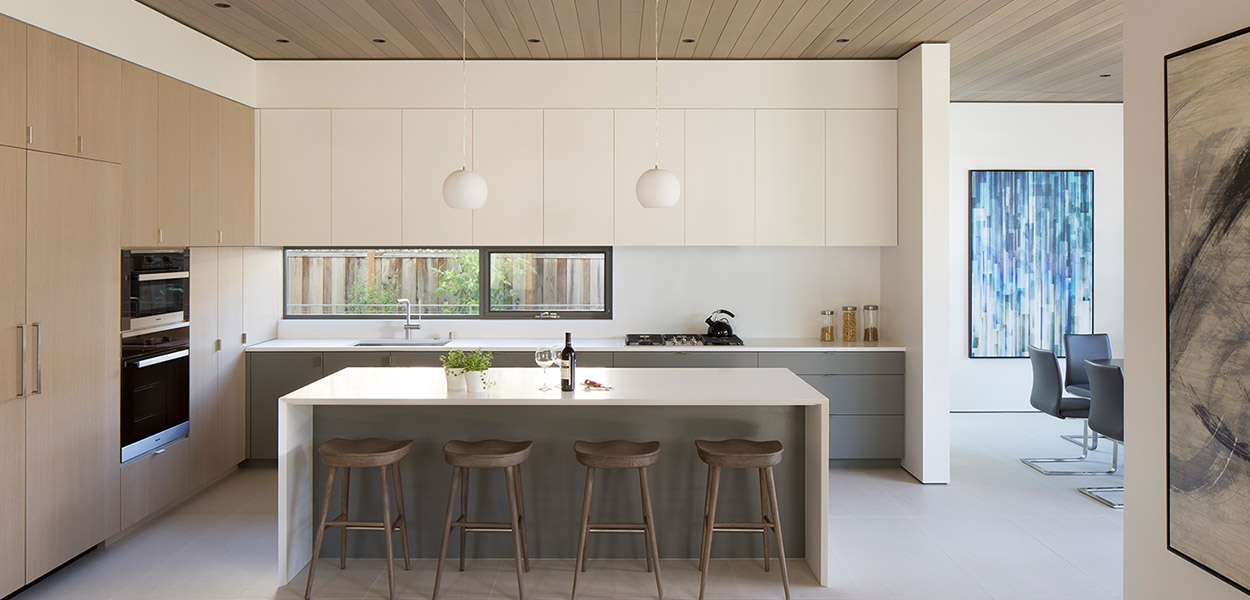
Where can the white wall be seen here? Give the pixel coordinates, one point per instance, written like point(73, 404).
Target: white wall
point(1153, 29)
point(776, 292)
point(131, 31)
point(1034, 136)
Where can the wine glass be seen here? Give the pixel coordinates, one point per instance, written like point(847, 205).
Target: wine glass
point(545, 357)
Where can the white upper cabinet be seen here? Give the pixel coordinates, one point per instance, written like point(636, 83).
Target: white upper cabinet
point(295, 177)
point(635, 153)
point(508, 152)
point(577, 177)
point(789, 177)
point(720, 177)
point(861, 178)
point(432, 150)
point(366, 207)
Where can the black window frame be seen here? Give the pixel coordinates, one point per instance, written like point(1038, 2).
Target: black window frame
point(483, 275)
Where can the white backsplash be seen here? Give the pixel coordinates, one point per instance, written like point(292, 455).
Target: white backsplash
point(775, 292)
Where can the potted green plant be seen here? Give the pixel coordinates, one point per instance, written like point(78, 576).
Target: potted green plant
point(466, 371)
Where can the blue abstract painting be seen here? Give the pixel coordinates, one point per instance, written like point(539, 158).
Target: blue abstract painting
point(1031, 249)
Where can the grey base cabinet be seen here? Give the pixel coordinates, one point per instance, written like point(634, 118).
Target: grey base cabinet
point(272, 375)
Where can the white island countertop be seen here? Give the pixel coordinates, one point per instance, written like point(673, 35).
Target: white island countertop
point(588, 345)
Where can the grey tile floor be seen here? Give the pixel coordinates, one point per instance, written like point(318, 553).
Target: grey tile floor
point(1001, 531)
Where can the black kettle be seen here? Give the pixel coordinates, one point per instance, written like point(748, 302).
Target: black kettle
point(718, 324)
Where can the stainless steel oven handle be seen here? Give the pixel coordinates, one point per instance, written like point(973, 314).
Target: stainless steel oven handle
point(38, 358)
point(22, 328)
point(156, 360)
point(163, 276)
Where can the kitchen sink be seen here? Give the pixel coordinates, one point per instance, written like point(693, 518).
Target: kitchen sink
point(375, 343)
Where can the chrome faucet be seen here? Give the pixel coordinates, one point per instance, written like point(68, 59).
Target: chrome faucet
point(409, 326)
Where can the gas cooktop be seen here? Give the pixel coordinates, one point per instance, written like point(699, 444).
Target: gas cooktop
point(679, 339)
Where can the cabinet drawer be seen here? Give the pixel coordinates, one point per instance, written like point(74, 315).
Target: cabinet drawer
point(685, 359)
point(860, 394)
point(337, 361)
point(836, 363)
point(416, 359)
point(865, 437)
point(526, 359)
point(150, 482)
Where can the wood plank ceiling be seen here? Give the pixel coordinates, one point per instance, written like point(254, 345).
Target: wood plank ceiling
point(1001, 50)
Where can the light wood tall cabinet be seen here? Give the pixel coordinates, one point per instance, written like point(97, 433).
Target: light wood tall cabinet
point(634, 153)
point(577, 178)
point(720, 177)
point(139, 150)
point(203, 178)
point(433, 148)
point(99, 104)
point(12, 82)
point(72, 290)
point(295, 180)
point(366, 203)
point(173, 161)
point(789, 177)
point(508, 152)
point(236, 173)
point(13, 383)
point(51, 92)
point(861, 170)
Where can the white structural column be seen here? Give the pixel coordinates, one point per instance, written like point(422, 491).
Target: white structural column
point(915, 275)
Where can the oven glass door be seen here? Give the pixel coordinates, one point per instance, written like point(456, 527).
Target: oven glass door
point(157, 296)
point(155, 395)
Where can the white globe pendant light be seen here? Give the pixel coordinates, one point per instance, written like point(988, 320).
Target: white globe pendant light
point(464, 188)
point(656, 187)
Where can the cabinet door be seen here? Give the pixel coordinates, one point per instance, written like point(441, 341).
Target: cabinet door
point(659, 360)
point(720, 177)
point(273, 375)
point(173, 160)
point(231, 414)
point(790, 177)
point(202, 162)
point(139, 150)
point(508, 152)
point(365, 193)
point(262, 293)
point(99, 105)
point(236, 172)
point(205, 428)
point(432, 150)
point(12, 83)
point(635, 153)
point(72, 429)
point(295, 183)
point(51, 92)
point(12, 401)
point(861, 170)
point(337, 361)
point(577, 177)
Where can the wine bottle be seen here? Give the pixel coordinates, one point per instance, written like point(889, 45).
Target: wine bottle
point(568, 364)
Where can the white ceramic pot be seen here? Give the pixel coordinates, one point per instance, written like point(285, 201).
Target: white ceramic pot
point(475, 381)
point(455, 381)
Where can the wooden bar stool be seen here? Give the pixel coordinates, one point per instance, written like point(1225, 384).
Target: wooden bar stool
point(344, 454)
point(486, 454)
point(618, 454)
point(742, 454)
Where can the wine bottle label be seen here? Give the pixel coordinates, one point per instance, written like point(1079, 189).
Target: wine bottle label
point(566, 370)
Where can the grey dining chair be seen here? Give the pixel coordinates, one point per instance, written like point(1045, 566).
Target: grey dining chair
point(1078, 348)
point(1106, 416)
point(1047, 396)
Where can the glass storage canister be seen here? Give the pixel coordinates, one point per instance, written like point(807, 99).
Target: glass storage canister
point(849, 325)
point(870, 323)
point(827, 331)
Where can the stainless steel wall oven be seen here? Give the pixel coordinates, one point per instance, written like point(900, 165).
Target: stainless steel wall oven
point(155, 288)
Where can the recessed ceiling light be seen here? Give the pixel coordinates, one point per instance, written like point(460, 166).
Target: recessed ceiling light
point(222, 5)
point(534, 41)
point(282, 41)
point(379, 41)
point(1105, 75)
point(842, 40)
point(687, 41)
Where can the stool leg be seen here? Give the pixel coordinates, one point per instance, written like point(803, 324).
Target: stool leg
point(707, 492)
point(510, 483)
point(764, 515)
point(402, 519)
point(709, 527)
point(781, 545)
point(442, 547)
point(520, 505)
point(464, 513)
point(347, 482)
point(642, 490)
point(386, 527)
point(321, 531)
point(584, 530)
point(649, 520)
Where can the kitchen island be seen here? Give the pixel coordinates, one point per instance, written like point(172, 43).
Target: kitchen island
point(674, 406)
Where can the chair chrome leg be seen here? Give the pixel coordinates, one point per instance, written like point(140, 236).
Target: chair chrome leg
point(1097, 494)
point(1037, 462)
point(1079, 440)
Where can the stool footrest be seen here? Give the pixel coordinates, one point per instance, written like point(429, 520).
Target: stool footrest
point(482, 526)
point(363, 524)
point(600, 529)
point(754, 527)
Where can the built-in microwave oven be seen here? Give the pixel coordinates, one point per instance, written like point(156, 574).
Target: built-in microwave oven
point(156, 391)
point(155, 288)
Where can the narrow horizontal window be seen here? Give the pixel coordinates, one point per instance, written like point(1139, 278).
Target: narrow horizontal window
point(550, 283)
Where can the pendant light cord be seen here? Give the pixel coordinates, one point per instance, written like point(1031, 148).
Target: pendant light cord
point(657, 83)
point(464, 92)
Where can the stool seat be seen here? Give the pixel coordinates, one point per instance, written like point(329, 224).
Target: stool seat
point(368, 452)
point(617, 454)
point(486, 454)
point(741, 454)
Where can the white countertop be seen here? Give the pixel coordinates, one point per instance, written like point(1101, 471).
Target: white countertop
point(425, 386)
point(588, 344)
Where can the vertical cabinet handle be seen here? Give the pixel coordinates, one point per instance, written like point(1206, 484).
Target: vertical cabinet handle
point(160, 235)
point(218, 237)
point(22, 348)
point(38, 358)
point(30, 134)
point(80, 145)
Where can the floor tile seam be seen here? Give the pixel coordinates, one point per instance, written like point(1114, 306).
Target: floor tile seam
point(1093, 577)
point(958, 563)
